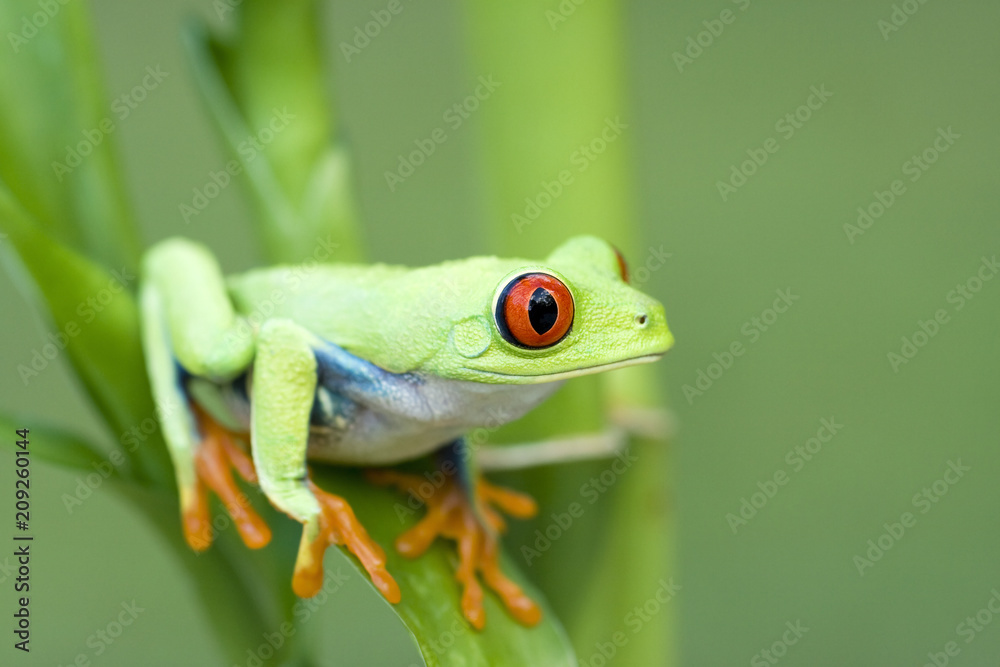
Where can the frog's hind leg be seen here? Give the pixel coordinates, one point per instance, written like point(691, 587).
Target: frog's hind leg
point(215, 457)
point(202, 451)
point(338, 525)
point(189, 328)
point(464, 508)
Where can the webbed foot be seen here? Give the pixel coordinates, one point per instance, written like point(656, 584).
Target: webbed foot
point(215, 457)
point(337, 524)
point(450, 514)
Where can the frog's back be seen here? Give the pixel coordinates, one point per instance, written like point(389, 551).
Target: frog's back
point(394, 316)
point(320, 297)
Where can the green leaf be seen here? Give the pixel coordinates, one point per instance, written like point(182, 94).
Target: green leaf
point(430, 605)
point(266, 82)
point(229, 576)
point(57, 133)
point(49, 444)
point(93, 317)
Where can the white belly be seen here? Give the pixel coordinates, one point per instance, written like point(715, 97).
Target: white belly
point(448, 409)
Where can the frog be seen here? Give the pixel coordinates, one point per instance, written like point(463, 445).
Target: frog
point(280, 368)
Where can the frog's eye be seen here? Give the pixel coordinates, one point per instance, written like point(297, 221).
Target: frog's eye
point(622, 264)
point(534, 310)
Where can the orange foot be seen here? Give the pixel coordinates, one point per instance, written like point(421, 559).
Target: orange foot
point(215, 456)
point(450, 515)
point(338, 525)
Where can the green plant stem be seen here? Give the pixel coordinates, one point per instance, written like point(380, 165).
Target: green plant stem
point(52, 94)
point(561, 87)
point(303, 181)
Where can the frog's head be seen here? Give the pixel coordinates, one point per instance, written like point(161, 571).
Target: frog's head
point(572, 314)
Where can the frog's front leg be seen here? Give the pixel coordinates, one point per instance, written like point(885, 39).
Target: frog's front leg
point(283, 390)
point(464, 509)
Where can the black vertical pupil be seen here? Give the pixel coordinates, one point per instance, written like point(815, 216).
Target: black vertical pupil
point(543, 311)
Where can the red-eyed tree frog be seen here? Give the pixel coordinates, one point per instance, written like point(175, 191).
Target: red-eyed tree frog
point(372, 366)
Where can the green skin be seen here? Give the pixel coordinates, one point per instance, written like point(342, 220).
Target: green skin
point(276, 321)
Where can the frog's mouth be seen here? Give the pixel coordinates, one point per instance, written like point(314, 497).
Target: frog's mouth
point(577, 372)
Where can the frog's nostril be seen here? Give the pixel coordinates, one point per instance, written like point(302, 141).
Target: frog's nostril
point(642, 319)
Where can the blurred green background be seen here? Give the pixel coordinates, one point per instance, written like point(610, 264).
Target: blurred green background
point(690, 122)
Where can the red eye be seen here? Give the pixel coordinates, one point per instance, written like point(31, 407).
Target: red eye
point(534, 310)
point(622, 265)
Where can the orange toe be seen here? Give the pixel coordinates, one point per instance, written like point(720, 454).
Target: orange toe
point(194, 517)
point(514, 503)
point(216, 456)
point(339, 525)
point(450, 515)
